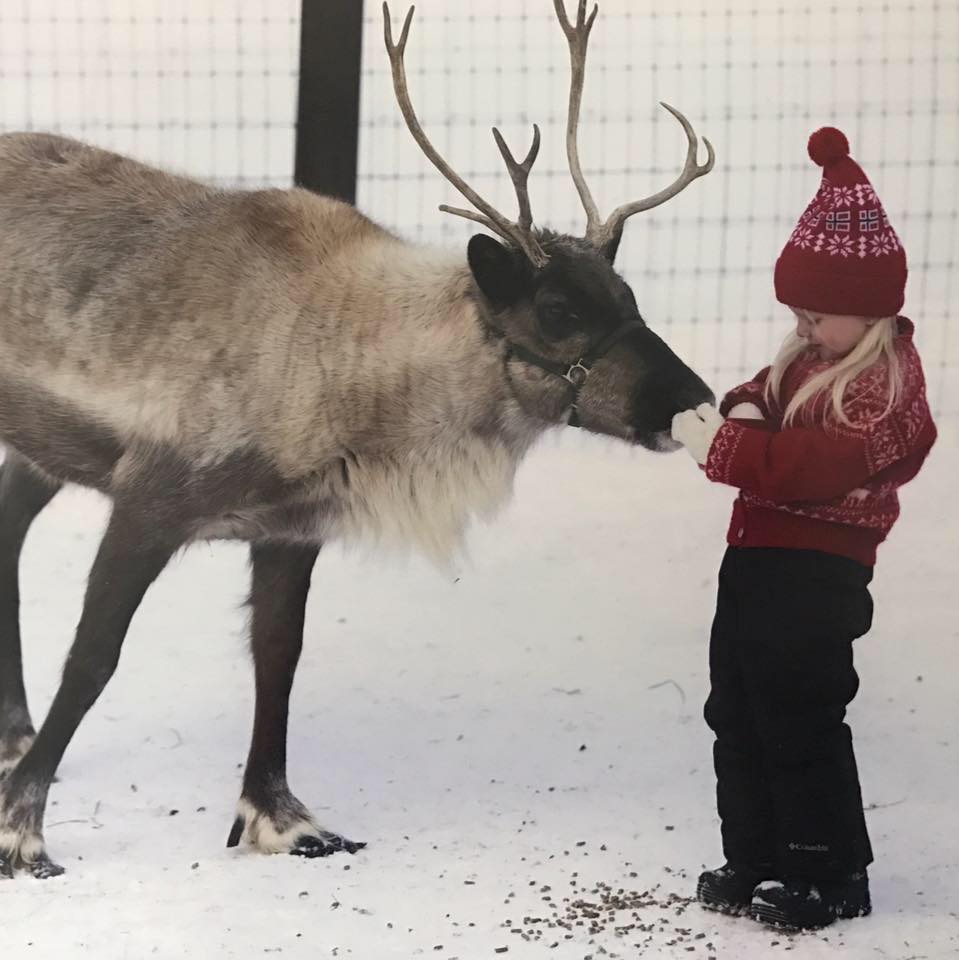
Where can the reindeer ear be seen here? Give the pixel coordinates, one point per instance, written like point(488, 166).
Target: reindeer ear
point(502, 274)
point(611, 247)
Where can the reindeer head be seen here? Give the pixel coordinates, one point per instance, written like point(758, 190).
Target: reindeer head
point(556, 299)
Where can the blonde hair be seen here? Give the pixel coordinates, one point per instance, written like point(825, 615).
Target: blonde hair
point(877, 344)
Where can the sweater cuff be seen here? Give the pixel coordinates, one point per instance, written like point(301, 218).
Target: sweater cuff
point(747, 393)
point(722, 452)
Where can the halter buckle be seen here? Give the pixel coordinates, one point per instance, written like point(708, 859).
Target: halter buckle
point(577, 374)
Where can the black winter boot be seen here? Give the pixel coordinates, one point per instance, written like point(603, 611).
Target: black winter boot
point(729, 889)
point(809, 905)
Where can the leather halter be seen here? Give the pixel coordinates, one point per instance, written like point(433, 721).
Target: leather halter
point(575, 374)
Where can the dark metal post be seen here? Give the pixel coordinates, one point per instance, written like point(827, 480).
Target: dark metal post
point(328, 108)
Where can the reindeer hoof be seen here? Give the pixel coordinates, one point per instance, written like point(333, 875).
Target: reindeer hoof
point(323, 845)
point(236, 832)
point(43, 868)
point(285, 826)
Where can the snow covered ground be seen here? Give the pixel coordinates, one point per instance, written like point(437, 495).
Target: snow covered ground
point(532, 722)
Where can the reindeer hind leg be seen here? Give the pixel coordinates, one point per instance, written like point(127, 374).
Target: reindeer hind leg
point(133, 551)
point(24, 492)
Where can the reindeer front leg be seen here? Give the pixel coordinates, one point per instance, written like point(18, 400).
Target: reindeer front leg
point(268, 815)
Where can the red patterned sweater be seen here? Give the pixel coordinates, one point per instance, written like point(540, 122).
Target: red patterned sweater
point(824, 486)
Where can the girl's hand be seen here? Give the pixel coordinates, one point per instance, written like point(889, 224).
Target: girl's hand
point(746, 411)
point(695, 430)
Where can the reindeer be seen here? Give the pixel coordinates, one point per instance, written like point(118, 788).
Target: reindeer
point(274, 367)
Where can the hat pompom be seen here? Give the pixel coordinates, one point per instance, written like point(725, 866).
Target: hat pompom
point(827, 145)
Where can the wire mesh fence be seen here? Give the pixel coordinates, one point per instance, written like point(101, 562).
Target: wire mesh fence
point(209, 88)
point(755, 77)
point(202, 86)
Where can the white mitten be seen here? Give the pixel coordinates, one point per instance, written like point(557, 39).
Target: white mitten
point(695, 430)
point(746, 411)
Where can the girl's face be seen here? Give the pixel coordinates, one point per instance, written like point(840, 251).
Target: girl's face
point(832, 335)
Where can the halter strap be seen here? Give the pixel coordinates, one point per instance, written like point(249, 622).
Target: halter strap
point(575, 374)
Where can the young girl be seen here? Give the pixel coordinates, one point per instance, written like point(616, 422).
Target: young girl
point(818, 444)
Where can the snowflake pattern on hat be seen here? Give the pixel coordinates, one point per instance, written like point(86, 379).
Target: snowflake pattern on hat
point(838, 211)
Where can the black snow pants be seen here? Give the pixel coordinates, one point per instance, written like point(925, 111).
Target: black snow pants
point(781, 675)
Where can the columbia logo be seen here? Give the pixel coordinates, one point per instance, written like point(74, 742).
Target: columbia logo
point(810, 847)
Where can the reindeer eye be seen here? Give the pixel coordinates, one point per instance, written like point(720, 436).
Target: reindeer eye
point(557, 321)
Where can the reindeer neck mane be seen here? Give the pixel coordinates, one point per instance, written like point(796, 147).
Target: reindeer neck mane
point(422, 339)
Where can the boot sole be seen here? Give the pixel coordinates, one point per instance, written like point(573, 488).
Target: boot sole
point(723, 907)
point(774, 917)
point(709, 901)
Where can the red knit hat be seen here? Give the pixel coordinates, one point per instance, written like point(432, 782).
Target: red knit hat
point(843, 257)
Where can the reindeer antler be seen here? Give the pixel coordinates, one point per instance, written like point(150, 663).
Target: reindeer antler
point(606, 236)
point(612, 230)
point(519, 174)
point(578, 38)
point(519, 233)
